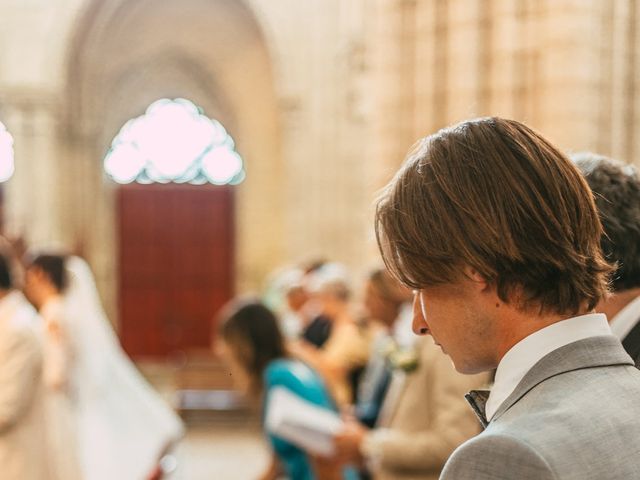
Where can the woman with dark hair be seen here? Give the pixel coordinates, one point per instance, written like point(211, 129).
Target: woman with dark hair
point(254, 347)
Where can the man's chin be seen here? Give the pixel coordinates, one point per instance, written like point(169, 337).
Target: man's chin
point(465, 366)
point(469, 368)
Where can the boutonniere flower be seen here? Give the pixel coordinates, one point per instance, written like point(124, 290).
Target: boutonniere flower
point(398, 358)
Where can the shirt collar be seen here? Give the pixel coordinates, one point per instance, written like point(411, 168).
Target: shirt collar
point(626, 319)
point(529, 351)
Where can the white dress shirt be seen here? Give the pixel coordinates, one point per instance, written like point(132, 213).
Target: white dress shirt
point(626, 319)
point(529, 351)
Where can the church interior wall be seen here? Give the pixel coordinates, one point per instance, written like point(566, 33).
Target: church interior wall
point(323, 97)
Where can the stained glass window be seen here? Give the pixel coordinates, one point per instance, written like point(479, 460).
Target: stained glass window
point(7, 166)
point(174, 142)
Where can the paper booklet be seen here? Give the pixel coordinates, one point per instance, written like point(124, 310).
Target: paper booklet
point(302, 423)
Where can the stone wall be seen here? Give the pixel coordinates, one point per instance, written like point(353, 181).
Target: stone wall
point(324, 98)
point(568, 68)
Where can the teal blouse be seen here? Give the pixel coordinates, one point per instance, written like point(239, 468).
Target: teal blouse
point(305, 382)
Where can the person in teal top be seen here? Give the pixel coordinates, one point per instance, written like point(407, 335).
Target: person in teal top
point(255, 349)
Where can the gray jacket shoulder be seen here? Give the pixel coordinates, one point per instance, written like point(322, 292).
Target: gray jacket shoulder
point(496, 456)
point(574, 416)
point(581, 425)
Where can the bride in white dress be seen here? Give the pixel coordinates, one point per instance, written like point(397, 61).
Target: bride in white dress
point(44, 290)
point(123, 427)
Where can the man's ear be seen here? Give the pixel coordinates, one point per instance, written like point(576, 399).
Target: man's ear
point(478, 280)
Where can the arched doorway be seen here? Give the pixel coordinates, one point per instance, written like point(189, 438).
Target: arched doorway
point(177, 169)
point(124, 56)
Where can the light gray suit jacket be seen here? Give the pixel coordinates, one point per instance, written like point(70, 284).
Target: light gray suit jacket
point(574, 416)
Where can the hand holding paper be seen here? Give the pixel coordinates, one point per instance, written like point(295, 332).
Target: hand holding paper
point(310, 427)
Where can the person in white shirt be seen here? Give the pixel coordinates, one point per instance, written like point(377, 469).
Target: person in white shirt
point(23, 449)
point(616, 189)
point(498, 234)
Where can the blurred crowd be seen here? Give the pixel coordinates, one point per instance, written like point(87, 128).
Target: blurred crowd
point(400, 401)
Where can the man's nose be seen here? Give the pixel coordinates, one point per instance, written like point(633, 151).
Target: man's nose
point(419, 324)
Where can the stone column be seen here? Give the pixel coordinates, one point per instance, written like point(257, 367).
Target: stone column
point(393, 86)
point(32, 202)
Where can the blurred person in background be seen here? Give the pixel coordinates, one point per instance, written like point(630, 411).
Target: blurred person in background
point(253, 346)
point(286, 297)
point(386, 302)
point(46, 282)
point(342, 359)
point(616, 189)
point(317, 328)
point(123, 427)
point(24, 453)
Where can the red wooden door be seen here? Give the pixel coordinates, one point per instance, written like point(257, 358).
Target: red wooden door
point(176, 265)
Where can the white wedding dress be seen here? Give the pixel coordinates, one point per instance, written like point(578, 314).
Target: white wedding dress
point(123, 425)
point(58, 359)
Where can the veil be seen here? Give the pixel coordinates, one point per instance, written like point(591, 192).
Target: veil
point(123, 425)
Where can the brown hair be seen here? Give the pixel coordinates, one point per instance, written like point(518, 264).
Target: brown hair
point(494, 195)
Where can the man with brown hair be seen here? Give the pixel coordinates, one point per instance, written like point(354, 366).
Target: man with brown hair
point(498, 234)
point(616, 189)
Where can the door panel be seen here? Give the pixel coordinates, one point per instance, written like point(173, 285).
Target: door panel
point(176, 265)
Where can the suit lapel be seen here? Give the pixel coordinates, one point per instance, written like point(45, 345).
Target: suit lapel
point(588, 353)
